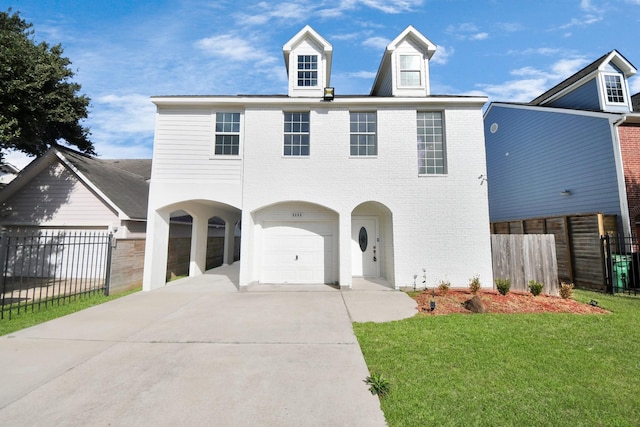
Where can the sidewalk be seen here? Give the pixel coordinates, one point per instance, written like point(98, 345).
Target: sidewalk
point(198, 352)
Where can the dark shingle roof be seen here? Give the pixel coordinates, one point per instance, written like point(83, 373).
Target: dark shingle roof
point(635, 101)
point(123, 181)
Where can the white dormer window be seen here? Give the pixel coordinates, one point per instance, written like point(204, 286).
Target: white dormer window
point(613, 86)
point(308, 70)
point(410, 70)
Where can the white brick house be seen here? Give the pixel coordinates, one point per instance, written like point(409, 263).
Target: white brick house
point(328, 188)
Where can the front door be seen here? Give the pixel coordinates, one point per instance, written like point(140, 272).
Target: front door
point(365, 254)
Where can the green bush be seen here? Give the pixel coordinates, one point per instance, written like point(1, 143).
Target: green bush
point(474, 284)
point(378, 384)
point(535, 287)
point(503, 286)
point(566, 290)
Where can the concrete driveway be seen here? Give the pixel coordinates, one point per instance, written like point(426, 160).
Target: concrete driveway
point(198, 352)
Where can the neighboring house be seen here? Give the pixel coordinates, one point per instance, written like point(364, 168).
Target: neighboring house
point(70, 191)
point(571, 152)
point(574, 149)
point(328, 187)
point(8, 172)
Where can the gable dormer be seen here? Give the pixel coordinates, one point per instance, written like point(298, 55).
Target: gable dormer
point(404, 69)
point(307, 57)
point(600, 86)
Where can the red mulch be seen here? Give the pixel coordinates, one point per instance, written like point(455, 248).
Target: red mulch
point(513, 302)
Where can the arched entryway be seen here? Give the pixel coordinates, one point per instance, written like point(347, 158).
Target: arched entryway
point(372, 241)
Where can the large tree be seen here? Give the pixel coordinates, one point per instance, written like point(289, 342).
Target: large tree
point(39, 103)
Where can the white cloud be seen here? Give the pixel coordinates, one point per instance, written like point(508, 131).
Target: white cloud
point(362, 74)
point(532, 81)
point(17, 158)
point(442, 55)
point(537, 51)
point(376, 42)
point(467, 31)
point(391, 6)
point(228, 46)
point(479, 36)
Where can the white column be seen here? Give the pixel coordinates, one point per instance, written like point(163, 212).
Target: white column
point(199, 234)
point(156, 251)
point(345, 250)
point(229, 240)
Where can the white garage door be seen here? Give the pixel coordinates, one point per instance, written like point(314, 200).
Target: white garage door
point(297, 252)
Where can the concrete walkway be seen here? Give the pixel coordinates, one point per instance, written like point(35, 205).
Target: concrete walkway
point(198, 352)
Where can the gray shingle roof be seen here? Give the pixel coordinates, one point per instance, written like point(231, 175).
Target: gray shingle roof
point(123, 181)
point(635, 101)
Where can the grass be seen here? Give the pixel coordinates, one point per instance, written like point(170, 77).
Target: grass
point(511, 370)
point(29, 318)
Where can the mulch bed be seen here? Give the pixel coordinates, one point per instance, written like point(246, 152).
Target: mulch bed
point(513, 302)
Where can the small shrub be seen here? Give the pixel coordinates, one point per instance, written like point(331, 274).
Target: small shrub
point(566, 290)
point(378, 384)
point(443, 287)
point(535, 287)
point(474, 284)
point(503, 286)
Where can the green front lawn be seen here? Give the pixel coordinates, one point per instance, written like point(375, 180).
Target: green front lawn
point(53, 310)
point(511, 370)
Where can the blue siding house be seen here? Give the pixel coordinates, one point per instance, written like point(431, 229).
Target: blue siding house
point(566, 152)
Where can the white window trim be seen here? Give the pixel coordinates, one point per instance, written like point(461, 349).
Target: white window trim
point(317, 70)
point(444, 142)
point(213, 154)
point(420, 70)
point(368, 156)
point(603, 79)
point(295, 156)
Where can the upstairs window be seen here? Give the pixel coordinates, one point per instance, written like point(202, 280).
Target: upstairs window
point(613, 85)
point(363, 134)
point(410, 70)
point(307, 70)
point(296, 134)
point(227, 134)
point(431, 145)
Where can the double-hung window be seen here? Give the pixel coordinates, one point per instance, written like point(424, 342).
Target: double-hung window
point(296, 134)
point(613, 86)
point(227, 134)
point(307, 70)
point(363, 134)
point(410, 70)
point(432, 155)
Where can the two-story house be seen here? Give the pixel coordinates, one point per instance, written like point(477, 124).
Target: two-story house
point(571, 151)
point(327, 187)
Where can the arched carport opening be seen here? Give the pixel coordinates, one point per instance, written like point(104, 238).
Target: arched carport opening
point(372, 254)
point(188, 237)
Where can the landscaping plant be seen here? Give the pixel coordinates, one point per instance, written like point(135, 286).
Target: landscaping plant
point(535, 287)
point(474, 284)
point(443, 288)
point(566, 290)
point(503, 286)
point(378, 385)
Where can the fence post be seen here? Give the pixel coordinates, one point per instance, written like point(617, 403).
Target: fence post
point(606, 260)
point(107, 283)
point(4, 245)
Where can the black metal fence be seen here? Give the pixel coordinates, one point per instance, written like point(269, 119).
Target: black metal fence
point(46, 268)
point(621, 258)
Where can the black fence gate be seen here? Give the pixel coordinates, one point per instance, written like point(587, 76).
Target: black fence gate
point(621, 258)
point(46, 268)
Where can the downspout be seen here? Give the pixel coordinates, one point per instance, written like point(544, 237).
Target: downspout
point(622, 188)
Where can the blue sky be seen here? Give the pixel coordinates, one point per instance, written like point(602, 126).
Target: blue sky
point(124, 52)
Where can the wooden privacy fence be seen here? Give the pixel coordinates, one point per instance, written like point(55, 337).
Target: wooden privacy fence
point(578, 249)
point(524, 257)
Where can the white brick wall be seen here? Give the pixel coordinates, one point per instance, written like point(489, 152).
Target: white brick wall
point(440, 223)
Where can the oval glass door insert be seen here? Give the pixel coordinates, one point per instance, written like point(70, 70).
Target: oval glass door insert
point(363, 239)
